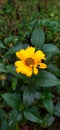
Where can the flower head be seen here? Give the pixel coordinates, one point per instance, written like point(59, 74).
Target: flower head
point(29, 61)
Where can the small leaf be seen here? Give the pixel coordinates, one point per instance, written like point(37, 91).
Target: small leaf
point(4, 125)
point(46, 79)
point(57, 109)
point(50, 49)
point(48, 104)
point(12, 99)
point(58, 88)
point(38, 37)
point(48, 120)
point(32, 115)
point(2, 114)
point(1, 44)
point(11, 69)
point(14, 117)
point(10, 39)
point(16, 47)
point(54, 69)
point(2, 68)
point(30, 95)
point(14, 82)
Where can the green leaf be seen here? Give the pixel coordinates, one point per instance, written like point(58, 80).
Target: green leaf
point(48, 104)
point(48, 120)
point(38, 37)
point(50, 49)
point(32, 115)
point(11, 69)
point(2, 68)
point(2, 114)
point(58, 88)
point(10, 39)
point(4, 125)
point(16, 47)
point(1, 44)
point(54, 69)
point(2, 21)
point(47, 94)
point(30, 95)
point(14, 82)
point(14, 117)
point(46, 79)
point(12, 99)
point(57, 109)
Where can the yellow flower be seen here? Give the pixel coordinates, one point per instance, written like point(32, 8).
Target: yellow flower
point(29, 61)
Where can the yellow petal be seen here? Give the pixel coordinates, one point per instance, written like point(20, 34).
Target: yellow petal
point(39, 55)
point(42, 66)
point(23, 69)
point(35, 70)
point(24, 55)
point(18, 69)
point(19, 65)
point(30, 51)
point(27, 71)
point(21, 54)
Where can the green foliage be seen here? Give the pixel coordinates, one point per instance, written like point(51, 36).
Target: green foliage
point(32, 115)
point(48, 120)
point(57, 109)
point(1, 44)
point(50, 49)
point(30, 95)
point(48, 104)
point(22, 98)
point(14, 117)
point(12, 99)
point(2, 68)
point(26, 95)
point(46, 79)
point(38, 38)
point(16, 47)
point(52, 68)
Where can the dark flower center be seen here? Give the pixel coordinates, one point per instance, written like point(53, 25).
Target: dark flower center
point(29, 61)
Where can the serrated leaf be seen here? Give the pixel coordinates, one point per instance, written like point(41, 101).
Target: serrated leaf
point(38, 37)
point(12, 100)
point(46, 79)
